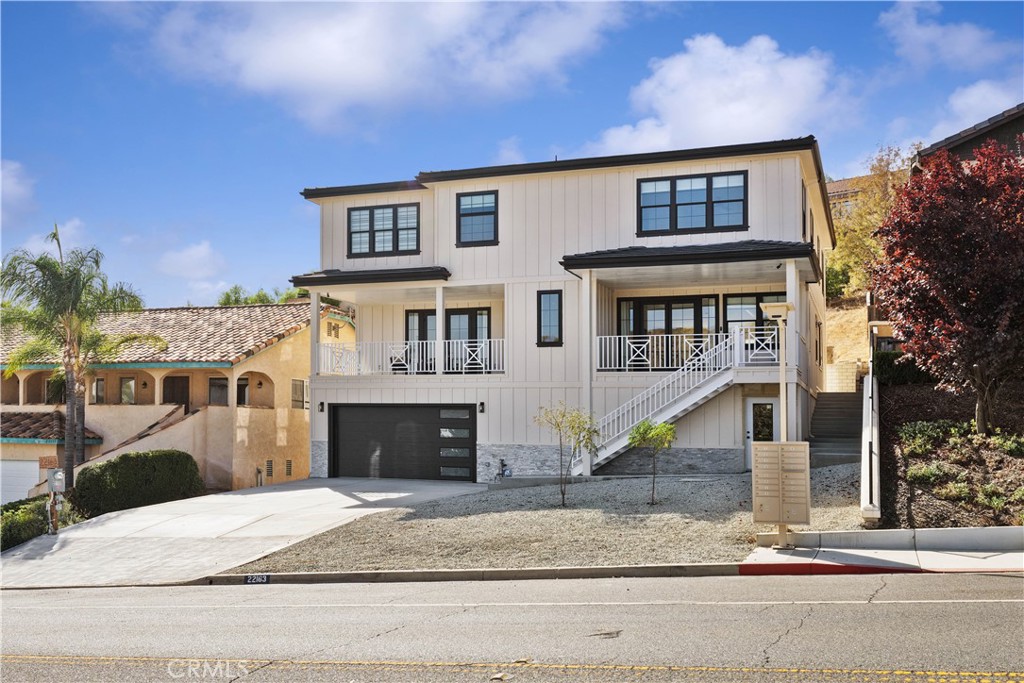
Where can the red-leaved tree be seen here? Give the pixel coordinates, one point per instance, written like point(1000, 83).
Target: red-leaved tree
point(951, 275)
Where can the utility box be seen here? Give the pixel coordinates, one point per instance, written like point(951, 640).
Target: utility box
point(782, 482)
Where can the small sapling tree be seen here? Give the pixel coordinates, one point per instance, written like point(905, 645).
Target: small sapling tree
point(576, 430)
point(656, 438)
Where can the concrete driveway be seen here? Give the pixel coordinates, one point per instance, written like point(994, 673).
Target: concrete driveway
point(189, 539)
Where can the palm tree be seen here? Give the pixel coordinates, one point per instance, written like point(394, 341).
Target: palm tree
point(56, 302)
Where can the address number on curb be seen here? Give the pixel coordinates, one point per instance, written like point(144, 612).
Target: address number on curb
point(257, 578)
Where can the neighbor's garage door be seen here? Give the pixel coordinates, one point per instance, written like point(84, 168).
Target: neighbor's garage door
point(403, 441)
point(16, 478)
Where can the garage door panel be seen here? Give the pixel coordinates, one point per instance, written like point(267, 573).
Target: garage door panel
point(404, 441)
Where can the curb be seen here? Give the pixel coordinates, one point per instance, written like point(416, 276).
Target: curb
point(428, 575)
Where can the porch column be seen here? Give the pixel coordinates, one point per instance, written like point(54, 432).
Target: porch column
point(793, 328)
point(314, 333)
point(23, 387)
point(442, 331)
point(158, 385)
point(588, 286)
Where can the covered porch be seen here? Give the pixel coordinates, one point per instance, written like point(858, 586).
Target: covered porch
point(399, 331)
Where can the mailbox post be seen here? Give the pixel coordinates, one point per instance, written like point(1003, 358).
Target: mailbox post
point(781, 471)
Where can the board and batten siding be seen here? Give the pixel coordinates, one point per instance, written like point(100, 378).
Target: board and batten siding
point(545, 216)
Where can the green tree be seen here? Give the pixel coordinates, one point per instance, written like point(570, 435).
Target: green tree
point(576, 430)
point(236, 295)
point(56, 302)
point(656, 438)
point(856, 245)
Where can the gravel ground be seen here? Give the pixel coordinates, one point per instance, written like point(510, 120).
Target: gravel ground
point(606, 523)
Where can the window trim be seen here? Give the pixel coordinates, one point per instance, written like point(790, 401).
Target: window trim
point(540, 318)
point(759, 316)
point(373, 253)
point(637, 303)
point(709, 206)
point(459, 242)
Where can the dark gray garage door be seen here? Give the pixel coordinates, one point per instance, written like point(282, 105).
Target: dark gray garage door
point(403, 441)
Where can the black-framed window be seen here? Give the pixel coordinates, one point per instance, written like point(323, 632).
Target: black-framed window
point(668, 315)
point(549, 318)
point(383, 230)
point(744, 310)
point(689, 204)
point(476, 218)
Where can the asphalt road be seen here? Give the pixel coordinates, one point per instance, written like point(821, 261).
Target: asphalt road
point(950, 627)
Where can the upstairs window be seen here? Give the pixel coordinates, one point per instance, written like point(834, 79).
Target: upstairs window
point(384, 230)
point(689, 204)
point(477, 220)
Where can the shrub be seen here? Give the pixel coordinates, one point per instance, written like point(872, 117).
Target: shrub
point(954, 490)
point(991, 496)
point(926, 473)
point(921, 438)
point(1011, 444)
point(836, 279)
point(135, 479)
point(15, 504)
point(1018, 495)
point(890, 370)
point(22, 523)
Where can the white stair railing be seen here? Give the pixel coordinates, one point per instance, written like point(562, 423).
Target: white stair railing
point(712, 357)
point(707, 356)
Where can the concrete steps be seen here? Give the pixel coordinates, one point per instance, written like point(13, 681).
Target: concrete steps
point(836, 429)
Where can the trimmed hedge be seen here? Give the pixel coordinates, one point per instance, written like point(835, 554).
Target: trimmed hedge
point(22, 520)
point(135, 479)
point(890, 372)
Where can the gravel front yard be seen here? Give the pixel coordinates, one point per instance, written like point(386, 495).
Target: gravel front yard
point(606, 523)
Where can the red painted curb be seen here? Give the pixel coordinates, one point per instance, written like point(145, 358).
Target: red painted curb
point(818, 569)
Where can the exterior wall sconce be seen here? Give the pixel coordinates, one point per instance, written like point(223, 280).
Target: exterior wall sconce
point(145, 385)
point(320, 407)
point(259, 384)
point(481, 407)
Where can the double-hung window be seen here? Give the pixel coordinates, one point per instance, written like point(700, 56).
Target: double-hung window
point(477, 219)
point(688, 204)
point(384, 230)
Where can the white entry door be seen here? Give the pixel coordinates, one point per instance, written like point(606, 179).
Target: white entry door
point(761, 424)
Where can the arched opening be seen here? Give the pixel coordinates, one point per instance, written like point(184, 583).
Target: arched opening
point(10, 391)
point(255, 390)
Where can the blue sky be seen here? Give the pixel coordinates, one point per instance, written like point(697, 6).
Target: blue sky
point(176, 137)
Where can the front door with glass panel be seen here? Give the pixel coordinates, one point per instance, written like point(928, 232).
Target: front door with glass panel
point(417, 357)
point(762, 424)
point(661, 332)
point(468, 332)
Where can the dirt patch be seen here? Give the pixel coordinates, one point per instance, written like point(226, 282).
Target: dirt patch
point(847, 324)
point(963, 480)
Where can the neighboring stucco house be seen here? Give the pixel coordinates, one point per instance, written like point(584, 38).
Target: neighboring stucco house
point(628, 286)
point(231, 389)
point(32, 444)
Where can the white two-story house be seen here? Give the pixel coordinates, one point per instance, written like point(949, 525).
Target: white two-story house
point(629, 286)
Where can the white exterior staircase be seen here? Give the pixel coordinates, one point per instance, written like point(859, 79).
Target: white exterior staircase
point(710, 369)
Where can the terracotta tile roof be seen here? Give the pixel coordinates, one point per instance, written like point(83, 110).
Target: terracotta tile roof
point(48, 426)
point(844, 187)
point(222, 334)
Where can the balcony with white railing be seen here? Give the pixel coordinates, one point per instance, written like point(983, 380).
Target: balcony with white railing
point(460, 357)
point(754, 346)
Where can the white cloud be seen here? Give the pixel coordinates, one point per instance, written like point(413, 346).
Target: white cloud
point(712, 93)
point(924, 42)
point(509, 152)
point(327, 61)
point(18, 191)
point(972, 104)
point(72, 236)
point(195, 263)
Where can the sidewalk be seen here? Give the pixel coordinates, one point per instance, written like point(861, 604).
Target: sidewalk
point(988, 549)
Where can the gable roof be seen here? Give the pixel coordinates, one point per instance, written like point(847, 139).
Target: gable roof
point(980, 130)
point(214, 336)
point(845, 187)
point(44, 427)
